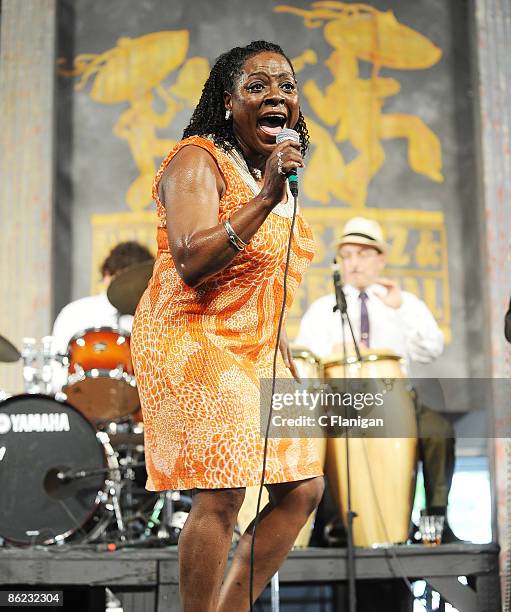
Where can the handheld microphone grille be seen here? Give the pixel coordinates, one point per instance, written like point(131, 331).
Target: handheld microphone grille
point(292, 177)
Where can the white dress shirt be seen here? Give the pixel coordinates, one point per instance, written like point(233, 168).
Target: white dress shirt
point(410, 330)
point(77, 316)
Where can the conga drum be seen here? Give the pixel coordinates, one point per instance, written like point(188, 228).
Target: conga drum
point(382, 469)
point(309, 368)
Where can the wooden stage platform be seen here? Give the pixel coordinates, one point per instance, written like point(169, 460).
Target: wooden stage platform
point(147, 579)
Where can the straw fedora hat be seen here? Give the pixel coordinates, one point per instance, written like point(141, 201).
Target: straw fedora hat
point(360, 230)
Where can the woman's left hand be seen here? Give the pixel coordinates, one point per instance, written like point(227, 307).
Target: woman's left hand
point(285, 351)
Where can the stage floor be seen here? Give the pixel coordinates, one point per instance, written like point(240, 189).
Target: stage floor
point(147, 579)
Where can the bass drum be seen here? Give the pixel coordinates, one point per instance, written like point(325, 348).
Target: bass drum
point(40, 438)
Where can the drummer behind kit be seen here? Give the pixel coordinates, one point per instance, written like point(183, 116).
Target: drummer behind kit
point(80, 449)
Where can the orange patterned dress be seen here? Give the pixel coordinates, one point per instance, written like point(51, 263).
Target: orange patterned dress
point(199, 354)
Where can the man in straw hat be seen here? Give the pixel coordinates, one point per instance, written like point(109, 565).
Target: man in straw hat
point(385, 317)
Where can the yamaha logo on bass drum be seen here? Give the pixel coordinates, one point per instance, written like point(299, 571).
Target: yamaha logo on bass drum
point(38, 422)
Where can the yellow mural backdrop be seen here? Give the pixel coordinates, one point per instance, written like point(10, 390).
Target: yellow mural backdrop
point(351, 106)
point(347, 112)
point(134, 71)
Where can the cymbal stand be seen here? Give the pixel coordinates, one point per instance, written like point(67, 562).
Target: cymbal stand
point(37, 365)
point(29, 356)
point(47, 360)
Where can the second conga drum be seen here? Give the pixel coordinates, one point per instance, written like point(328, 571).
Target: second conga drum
point(309, 368)
point(382, 470)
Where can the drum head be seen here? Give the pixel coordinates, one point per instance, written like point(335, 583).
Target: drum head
point(103, 398)
point(367, 354)
point(40, 437)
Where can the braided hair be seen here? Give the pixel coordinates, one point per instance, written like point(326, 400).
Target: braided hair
point(209, 115)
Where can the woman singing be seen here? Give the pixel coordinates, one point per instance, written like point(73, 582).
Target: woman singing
point(206, 328)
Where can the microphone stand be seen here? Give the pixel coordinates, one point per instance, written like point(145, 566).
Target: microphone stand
point(342, 307)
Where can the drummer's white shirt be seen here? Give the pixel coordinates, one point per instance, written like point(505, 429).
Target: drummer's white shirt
point(410, 330)
point(77, 316)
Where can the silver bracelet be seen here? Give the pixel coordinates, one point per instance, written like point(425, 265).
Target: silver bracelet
point(234, 239)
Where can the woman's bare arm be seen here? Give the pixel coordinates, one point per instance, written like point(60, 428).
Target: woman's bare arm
point(191, 189)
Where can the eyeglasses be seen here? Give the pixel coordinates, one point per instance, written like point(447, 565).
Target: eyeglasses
point(363, 254)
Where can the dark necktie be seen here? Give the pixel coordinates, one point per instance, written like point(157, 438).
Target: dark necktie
point(364, 320)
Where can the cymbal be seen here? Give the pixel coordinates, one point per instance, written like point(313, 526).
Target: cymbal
point(8, 352)
point(128, 285)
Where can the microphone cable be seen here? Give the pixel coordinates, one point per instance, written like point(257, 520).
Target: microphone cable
point(274, 375)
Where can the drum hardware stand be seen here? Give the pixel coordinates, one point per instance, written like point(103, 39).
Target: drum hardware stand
point(165, 517)
point(163, 514)
point(154, 519)
point(37, 365)
point(342, 307)
point(114, 491)
point(67, 476)
point(29, 356)
point(167, 510)
point(127, 464)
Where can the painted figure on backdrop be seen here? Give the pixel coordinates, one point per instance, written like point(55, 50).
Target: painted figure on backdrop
point(134, 72)
point(354, 105)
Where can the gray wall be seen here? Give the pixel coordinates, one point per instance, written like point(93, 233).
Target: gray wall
point(27, 99)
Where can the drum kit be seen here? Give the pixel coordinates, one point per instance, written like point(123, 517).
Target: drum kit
point(72, 466)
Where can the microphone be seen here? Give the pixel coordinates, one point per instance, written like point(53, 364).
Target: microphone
point(340, 298)
point(292, 177)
